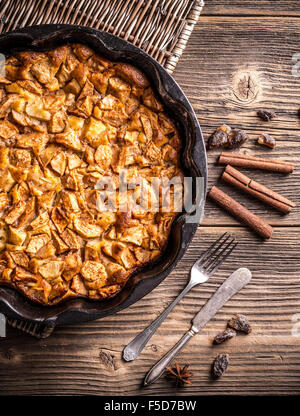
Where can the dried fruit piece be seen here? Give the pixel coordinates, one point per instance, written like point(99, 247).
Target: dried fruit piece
point(240, 323)
point(225, 137)
point(220, 137)
point(220, 365)
point(266, 115)
point(224, 336)
point(267, 140)
point(236, 138)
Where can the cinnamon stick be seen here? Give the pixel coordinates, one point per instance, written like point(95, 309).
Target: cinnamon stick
point(251, 162)
point(259, 191)
point(237, 210)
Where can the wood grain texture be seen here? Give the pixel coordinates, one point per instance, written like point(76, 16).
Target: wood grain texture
point(86, 358)
point(250, 7)
point(257, 52)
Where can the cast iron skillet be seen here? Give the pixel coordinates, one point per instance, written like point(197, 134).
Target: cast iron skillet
point(193, 159)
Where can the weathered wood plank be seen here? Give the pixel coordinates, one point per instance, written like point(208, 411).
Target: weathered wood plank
point(250, 7)
point(86, 358)
point(245, 66)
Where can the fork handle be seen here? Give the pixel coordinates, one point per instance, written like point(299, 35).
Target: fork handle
point(134, 348)
point(158, 369)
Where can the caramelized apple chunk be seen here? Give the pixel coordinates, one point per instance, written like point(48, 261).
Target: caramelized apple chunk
point(69, 120)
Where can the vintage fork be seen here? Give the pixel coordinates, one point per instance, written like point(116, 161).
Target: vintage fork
point(201, 271)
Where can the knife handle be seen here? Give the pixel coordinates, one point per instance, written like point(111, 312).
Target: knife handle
point(158, 369)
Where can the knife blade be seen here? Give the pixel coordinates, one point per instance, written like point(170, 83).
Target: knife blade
point(233, 284)
point(230, 287)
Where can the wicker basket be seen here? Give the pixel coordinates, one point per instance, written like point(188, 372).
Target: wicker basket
point(160, 27)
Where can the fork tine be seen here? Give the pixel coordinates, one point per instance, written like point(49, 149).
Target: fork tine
point(217, 263)
point(212, 260)
point(208, 251)
point(206, 262)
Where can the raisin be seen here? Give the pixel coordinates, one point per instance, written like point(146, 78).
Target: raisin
point(225, 137)
point(220, 365)
point(266, 140)
point(240, 323)
point(224, 336)
point(220, 137)
point(266, 115)
point(237, 138)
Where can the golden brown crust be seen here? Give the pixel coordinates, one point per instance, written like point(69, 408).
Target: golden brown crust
point(69, 117)
point(131, 74)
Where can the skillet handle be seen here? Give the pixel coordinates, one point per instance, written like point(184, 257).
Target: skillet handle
point(36, 330)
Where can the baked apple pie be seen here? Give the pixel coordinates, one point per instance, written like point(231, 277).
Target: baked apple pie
point(69, 118)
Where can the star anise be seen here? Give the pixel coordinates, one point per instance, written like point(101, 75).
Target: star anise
point(180, 375)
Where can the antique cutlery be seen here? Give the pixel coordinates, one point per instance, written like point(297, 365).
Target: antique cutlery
point(230, 287)
point(201, 271)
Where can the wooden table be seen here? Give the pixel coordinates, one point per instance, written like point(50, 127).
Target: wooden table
point(239, 59)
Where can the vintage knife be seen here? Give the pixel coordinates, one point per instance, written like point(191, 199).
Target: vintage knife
point(230, 287)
